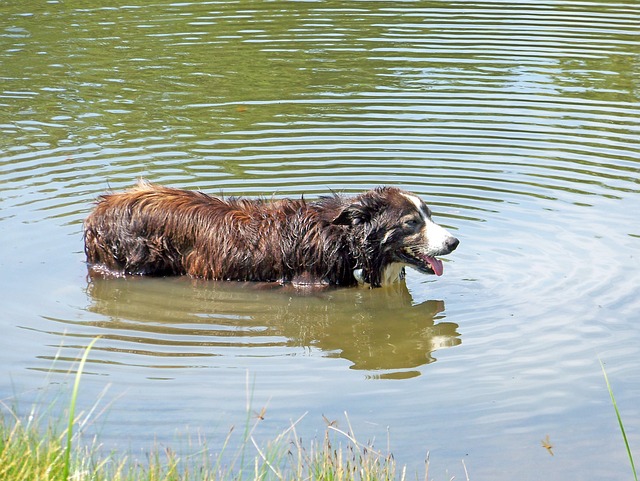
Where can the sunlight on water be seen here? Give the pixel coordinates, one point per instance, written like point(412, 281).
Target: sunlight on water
point(517, 123)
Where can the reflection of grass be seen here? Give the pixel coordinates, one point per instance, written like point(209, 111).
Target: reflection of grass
point(36, 453)
point(624, 434)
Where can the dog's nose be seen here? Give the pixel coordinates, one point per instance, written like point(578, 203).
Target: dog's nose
point(452, 243)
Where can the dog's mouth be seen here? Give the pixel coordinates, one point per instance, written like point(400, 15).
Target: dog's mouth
point(422, 262)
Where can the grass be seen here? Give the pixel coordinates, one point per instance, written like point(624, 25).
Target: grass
point(72, 409)
point(29, 451)
point(624, 434)
point(32, 452)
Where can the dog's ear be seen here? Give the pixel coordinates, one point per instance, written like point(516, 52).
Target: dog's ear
point(353, 214)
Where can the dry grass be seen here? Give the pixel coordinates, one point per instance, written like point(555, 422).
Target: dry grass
point(35, 452)
point(30, 453)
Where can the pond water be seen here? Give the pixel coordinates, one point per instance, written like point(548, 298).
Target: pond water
point(517, 122)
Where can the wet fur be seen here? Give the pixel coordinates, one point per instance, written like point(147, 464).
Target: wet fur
point(155, 230)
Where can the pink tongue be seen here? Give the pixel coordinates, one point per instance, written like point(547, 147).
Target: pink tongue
point(436, 265)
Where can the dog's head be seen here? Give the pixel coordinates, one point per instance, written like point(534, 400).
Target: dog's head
point(396, 229)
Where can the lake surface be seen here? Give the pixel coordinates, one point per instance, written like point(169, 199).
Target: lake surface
point(517, 122)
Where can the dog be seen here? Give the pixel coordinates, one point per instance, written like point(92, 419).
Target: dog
point(334, 241)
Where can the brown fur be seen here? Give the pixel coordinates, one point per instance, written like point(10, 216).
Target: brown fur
point(154, 230)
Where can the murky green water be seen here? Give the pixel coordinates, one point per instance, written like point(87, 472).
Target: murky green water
point(517, 122)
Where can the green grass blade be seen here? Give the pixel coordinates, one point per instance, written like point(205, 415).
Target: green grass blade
point(624, 434)
point(72, 408)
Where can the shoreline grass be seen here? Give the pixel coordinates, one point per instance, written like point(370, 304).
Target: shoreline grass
point(31, 452)
point(35, 452)
point(72, 409)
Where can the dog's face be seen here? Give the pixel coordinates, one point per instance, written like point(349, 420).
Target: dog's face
point(415, 239)
point(399, 231)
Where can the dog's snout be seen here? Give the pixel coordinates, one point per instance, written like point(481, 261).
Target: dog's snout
point(451, 243)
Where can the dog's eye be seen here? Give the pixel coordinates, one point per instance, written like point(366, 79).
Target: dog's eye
point(412, 223)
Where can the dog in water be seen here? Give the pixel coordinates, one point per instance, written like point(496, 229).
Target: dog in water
point(336, 240)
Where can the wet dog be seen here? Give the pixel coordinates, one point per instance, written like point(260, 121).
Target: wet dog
point(337, 240)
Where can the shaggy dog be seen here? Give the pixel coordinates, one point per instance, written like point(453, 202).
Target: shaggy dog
point(337, 240)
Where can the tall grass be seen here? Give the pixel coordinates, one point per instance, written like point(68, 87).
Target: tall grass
point(72, 408)
point(30, 451)
point(624, 434)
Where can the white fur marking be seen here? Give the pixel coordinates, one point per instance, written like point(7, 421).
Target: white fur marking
point(391, 273)
point(417, 201)
point(437, 236)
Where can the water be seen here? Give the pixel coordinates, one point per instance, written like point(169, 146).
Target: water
point(517, 123)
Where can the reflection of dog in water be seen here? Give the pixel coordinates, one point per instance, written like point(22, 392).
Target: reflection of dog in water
point(337, 240)
point(382, 332)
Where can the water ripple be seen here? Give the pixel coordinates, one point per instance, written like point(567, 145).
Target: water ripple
point(518, 124)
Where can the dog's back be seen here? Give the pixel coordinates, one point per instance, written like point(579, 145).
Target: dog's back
point(154, 230)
